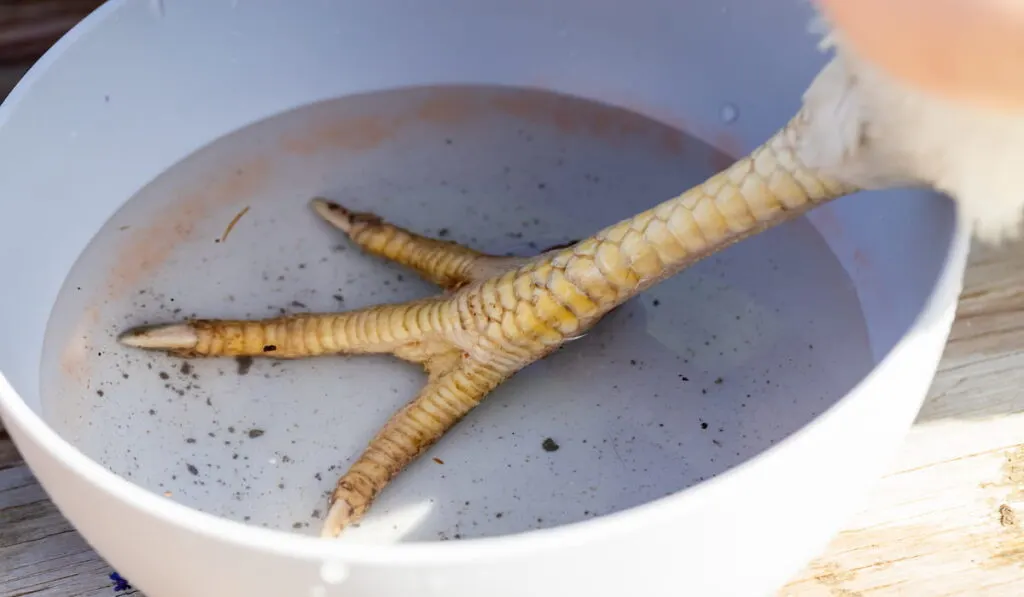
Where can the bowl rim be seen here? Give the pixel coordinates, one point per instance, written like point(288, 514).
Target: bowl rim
point(20, 415)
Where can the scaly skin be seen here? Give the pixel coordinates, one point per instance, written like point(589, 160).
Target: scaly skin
point(500, 314)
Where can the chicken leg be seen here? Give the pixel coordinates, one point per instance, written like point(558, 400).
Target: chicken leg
point(499, 314)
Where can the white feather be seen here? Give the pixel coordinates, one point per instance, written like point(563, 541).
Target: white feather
point(871, 130)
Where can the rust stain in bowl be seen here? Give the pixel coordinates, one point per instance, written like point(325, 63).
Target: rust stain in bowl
point(452, 108)
point(148, 247)
point(449, 107)
point(356, 134)
point(596, 120)
point(76, 357)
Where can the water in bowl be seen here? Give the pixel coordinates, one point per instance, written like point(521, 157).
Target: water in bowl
point(699, 374)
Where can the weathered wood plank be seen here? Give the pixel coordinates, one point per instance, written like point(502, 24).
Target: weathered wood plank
point(40, 552)
point(949, 518)
point(29, 27)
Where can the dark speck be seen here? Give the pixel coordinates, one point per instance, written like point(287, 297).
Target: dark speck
point(549, 445)
point(192, 469)
point(298, 304)
point(190, 440)
point(244, 364)
point(164, 375)
point(655, 302)
point(254, 433)
point(99, 393)
point(269, 348)
point(186, 368)
point(703, 425)
point(719, 380)
point(442, 232)
point(339, 298)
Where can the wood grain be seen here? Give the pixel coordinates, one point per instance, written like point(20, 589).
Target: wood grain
point(29, 27)
point(949, 517)
point(40, 553)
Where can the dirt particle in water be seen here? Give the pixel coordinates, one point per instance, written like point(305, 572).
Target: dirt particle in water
point(190, 440)
point(438, 460)
point(254, 433)
point(719, 381)
point(339, 298)
point(298, 304)
point(186, 368)
point(192, 469)
point(269, 348)
point(244, 364)
point(164, 375)
point(703, 425)
point(99, 393)
point(549, 445)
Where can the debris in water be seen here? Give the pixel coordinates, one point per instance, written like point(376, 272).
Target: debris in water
point(232, 223)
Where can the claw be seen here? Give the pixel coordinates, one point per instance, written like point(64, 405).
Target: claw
point(175, 336)
point(342, 218)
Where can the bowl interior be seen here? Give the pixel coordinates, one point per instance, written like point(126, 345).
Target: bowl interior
point(703, 372)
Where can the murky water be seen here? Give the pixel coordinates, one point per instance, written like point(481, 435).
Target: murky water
point(699, 374)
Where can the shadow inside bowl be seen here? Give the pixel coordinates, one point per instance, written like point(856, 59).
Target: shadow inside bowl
point(701, 373)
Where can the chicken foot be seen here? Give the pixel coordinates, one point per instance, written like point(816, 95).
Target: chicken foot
point(499, 314)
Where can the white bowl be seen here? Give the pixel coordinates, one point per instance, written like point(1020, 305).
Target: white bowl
point(806, 350)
